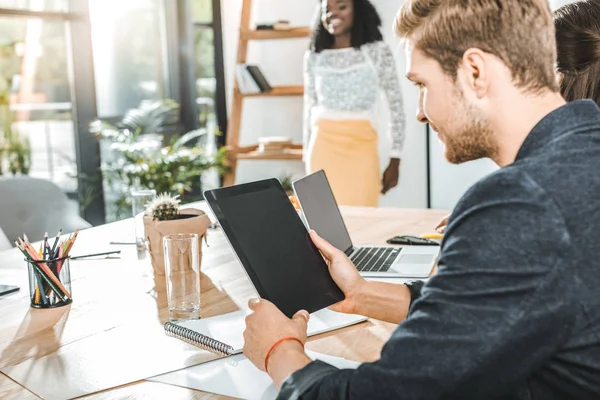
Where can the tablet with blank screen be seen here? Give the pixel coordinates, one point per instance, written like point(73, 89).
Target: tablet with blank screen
point(273, 246)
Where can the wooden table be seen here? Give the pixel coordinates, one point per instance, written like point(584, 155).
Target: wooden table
point(111, 338)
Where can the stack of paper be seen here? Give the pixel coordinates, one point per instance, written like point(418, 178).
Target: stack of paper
point(235, 376)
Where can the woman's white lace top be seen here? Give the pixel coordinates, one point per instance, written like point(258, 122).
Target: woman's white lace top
point(345, 84)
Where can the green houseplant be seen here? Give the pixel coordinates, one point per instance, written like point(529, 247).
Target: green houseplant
point(15, 150)
point(135, 156)
point(286, 182)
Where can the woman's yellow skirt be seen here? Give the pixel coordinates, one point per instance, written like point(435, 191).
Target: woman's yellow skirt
point(347, 151)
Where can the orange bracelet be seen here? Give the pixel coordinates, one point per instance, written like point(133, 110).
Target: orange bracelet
point(277, 343)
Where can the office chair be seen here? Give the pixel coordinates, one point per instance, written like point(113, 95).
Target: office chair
point(4, 242)
point(35, 206)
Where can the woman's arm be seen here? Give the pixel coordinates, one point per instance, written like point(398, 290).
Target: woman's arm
point(390, 84)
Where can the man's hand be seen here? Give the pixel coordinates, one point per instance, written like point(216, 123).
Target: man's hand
point(391, 176)
point(266, 325)
point(380, 300)
point(344, 274)
point(441, 227)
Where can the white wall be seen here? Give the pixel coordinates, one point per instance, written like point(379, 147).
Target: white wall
point(281, 62)
point(559, 3)
point(449, 182)
point(412, 190)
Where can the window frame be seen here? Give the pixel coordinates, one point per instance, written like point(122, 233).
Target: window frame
point(180, 67)
point(83, 100)
point(181, 48)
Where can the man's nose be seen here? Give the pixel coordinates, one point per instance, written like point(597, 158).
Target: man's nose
point(421, 117)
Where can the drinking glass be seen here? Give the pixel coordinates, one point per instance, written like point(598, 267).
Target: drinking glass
point(182, 273)
point(139, 200)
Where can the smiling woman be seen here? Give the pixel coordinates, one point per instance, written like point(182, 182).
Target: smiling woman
point(346, 69)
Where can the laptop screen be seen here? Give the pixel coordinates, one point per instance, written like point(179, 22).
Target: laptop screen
point(321, 210)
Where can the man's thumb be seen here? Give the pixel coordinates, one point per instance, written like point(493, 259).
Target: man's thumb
point(301, 318)
point(323, 245)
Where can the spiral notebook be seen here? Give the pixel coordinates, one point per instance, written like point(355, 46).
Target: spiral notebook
point(224, 334)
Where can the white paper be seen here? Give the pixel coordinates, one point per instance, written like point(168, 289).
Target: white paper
point(395, 280)
point(236, 376)
point(229, 328)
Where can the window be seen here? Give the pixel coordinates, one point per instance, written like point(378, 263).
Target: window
point(43, 73)
point(208, 61)
point(36, 5)
point(209, 75)
point(64, 63)
point(34, 64)
point(202, 12)
point(129, 54)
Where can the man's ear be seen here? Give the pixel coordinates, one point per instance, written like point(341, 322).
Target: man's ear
point(476, 71)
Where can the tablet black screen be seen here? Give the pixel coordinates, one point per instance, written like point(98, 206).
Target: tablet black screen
point(274, 246)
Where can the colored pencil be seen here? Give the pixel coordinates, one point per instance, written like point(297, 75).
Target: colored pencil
point(47, 263)
point(52, 252)
point(47, 273)
point(39, 271)
point(45, 246)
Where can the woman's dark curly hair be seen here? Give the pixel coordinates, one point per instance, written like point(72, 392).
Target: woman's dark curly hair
point(365, 28)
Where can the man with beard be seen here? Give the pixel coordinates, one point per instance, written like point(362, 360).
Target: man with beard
point(513, 311)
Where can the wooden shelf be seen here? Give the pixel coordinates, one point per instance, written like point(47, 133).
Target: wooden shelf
point(266, 34)
point(279, 91)
point(235, 152)
point(287, 155)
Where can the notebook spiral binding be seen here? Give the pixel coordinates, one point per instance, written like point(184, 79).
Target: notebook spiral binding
point(197, 339)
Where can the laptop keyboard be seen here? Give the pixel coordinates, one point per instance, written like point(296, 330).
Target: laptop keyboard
point(375, 259)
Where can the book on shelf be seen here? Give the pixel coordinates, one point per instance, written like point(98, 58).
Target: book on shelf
point(281, 25)
point(246, 83)
point(251, 79)
point(273, 144)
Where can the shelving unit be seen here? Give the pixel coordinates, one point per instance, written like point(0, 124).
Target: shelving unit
point(234, 151)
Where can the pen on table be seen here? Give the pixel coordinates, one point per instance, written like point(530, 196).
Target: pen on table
point(432, 236)
point(122, 243)
point(97, 254)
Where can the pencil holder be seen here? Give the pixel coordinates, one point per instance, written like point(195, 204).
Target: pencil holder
point(49, 282)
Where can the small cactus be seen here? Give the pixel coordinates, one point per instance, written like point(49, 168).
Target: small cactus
point(164, 207)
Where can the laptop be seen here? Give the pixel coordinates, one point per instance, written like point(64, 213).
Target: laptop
point(321, 213)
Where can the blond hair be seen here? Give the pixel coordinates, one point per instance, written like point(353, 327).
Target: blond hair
point(518, 32)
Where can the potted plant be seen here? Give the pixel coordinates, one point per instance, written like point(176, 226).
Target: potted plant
point(286, 184)
point(163, 217)
point(15, 150)
point(133, 155)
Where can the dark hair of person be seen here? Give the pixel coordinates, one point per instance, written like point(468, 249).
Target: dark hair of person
point(578, 44)
point(365, 28)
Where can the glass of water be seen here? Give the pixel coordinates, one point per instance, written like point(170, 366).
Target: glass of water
point(182, 273)
point(139, 199)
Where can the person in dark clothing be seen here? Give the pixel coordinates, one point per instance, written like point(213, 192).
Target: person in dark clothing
point(513, 311)
point(577, 28)
point(578, 46)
